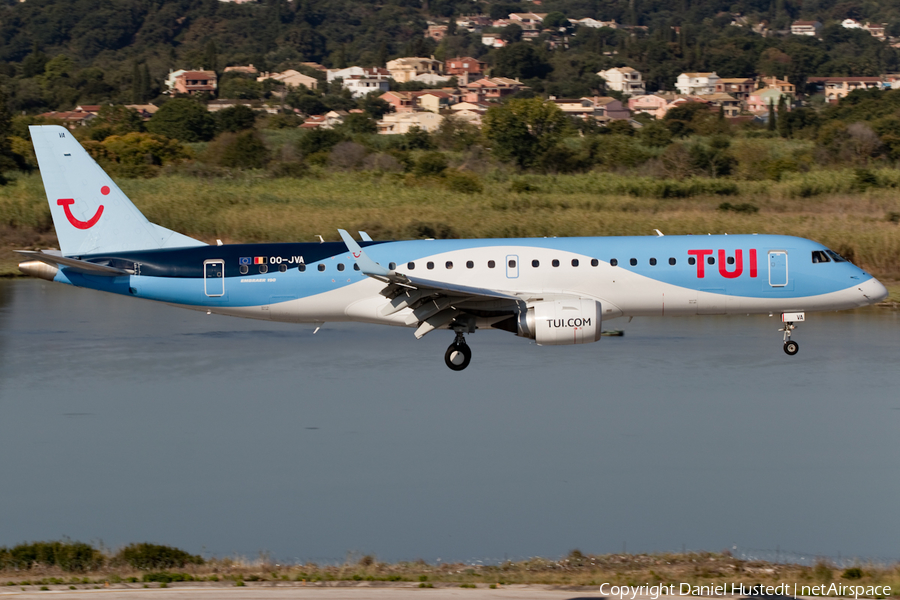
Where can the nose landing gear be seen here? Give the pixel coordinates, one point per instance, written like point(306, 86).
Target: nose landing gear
point(790, 346)
point(458, 355)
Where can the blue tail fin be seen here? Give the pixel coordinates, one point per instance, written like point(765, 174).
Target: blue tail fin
point(91, 214)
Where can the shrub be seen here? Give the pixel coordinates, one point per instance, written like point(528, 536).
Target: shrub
point(245, 150)
point(520, 186)
point(430, 164)
point(384, 163)
point(165, 577)
point(852, 573)
point(464, 183)
point(745, 208)
point(153, 556)
point(347, 156)
point(292, 169)
point(68, 556)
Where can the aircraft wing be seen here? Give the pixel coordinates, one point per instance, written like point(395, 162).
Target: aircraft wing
point(434, 304)
point(79, 266)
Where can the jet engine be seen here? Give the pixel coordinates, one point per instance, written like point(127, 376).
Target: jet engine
point(561, 321)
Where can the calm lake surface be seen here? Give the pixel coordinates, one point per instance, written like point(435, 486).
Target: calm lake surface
point(126, 421)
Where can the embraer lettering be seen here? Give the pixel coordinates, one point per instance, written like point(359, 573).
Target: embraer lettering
point(573, 322)
point(724, 271)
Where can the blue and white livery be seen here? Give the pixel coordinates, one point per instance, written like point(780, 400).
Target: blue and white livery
point(551, 290)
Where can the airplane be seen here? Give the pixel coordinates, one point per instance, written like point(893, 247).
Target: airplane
point(554, 291)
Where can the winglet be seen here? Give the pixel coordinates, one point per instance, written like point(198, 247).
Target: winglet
point(365, 236)
point(366, 264)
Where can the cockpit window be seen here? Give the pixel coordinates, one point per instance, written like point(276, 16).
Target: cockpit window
point(819, 256)
point(835, 256)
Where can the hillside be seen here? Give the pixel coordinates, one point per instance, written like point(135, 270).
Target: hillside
point(59, 53)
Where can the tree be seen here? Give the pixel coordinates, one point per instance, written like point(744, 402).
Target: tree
point(235, 118)
point(211, 56)
point(522, 130)
point(555, 20)
point(360, 123)
point(772, 123)
point(119, 119)
point(520, 61)
point(8, 159)
point(512, 33)
point(244, 150)
point(183, 119)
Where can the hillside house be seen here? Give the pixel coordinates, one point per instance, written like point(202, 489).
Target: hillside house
point(192, 82)
point(810, 28)
point(400, 123)
point(291, 78)
point(405, 69)
point(625, 80)
point(836, 88)
point(783, 86)
point(693, 84)
point(737, 87)
point(492, 89)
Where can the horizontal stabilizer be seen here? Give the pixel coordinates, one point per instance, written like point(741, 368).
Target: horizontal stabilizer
point(73, 264)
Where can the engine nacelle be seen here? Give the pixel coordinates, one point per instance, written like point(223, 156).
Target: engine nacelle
point(563, 321)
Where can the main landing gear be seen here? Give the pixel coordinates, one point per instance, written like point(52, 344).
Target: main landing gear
point(458, 355)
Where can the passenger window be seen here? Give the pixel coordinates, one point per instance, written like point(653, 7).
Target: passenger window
point(470, 264)
point(633, 262)
point(692, 260)
point(672, 261)
point(321, 266)
point(710, 260)
point(574, 262)
point(555, 263)
point(818, 256)
point(340, 266)
point(730, 260)
point(449, 264)
point(244, 269)
point(282, 268)
point(491, 264)
point(429, 265)
point(535, 263)
point(392, 266)
point(355, 267)
point(410, 265)
point(652, 262)
point(263, 269)
point(614, 262)
point(512, 264)
point(301, 267)
point(595, 262)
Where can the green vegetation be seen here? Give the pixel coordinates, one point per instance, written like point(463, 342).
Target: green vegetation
point(153, 556)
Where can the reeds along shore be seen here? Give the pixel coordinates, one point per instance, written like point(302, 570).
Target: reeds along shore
point(856, 216)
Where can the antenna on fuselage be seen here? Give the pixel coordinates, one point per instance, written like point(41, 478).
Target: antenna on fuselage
point(658, 233)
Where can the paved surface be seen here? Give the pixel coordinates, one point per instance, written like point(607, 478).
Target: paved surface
point(270, 592)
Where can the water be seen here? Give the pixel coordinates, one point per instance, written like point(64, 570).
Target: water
point(124, 421)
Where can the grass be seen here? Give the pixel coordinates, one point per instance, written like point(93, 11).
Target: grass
point(577, 569)
point(828, 206)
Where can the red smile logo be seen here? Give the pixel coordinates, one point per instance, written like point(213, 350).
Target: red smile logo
point(77, 223)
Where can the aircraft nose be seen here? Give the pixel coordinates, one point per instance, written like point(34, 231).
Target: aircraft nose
point(873, 291)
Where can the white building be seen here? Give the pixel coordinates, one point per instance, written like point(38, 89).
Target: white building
point(851, 24)
point(403, 122)
point(332, 74)
point(810, 28)
point(594, 23)
point(362, 86)
point(625, 80)
point(692, 84)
